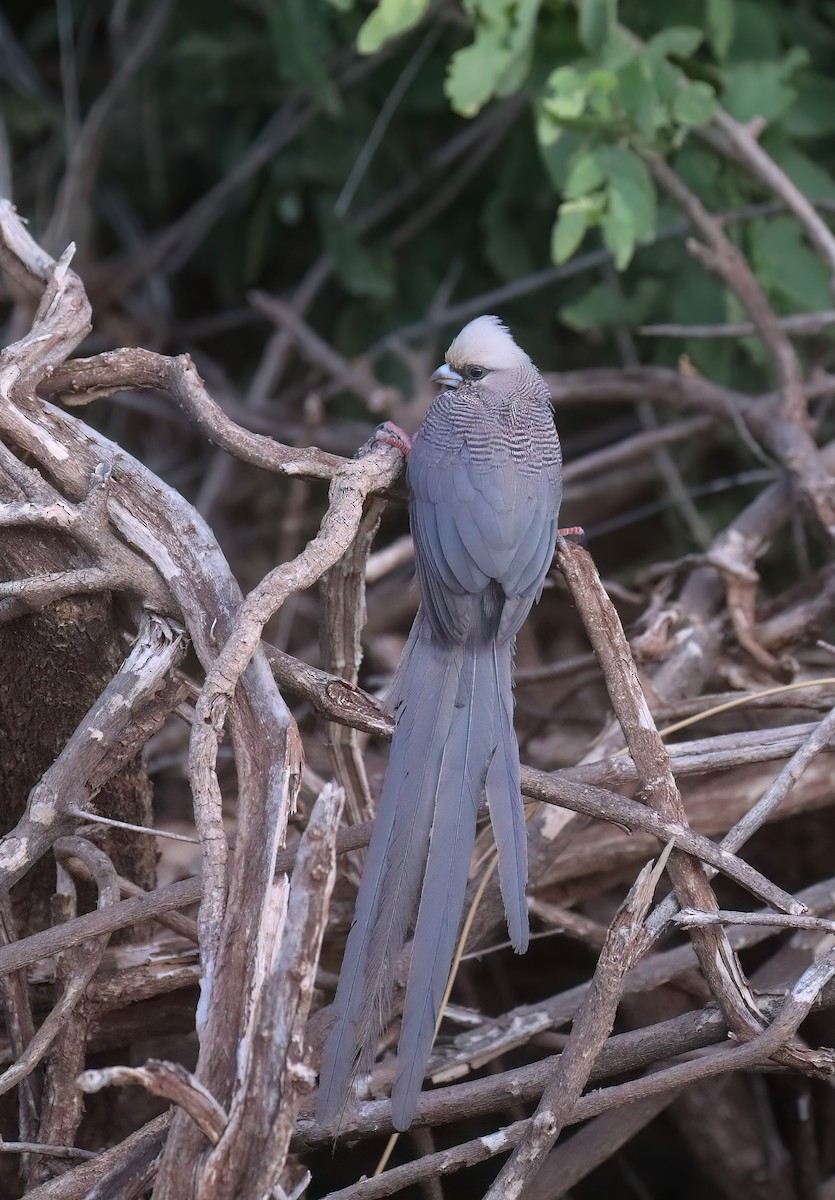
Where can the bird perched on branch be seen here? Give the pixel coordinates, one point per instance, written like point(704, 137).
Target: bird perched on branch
point(484, 472)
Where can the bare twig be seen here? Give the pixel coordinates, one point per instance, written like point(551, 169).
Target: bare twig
point(169, 1080)
point(787, 435)
point(799, 324)
point(626, 942)
point(756, 159)
point(132, 706)
point(250, 1158)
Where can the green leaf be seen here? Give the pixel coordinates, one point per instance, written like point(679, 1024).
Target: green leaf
point(521, 46)
point(569, 231)
point(695, 104)
point(759, 89)
point(566, 91)
point(631, 190)
point(558, 155)
point(603, 307)
point(389, 20)
point(601, 87)
point(548, 129)
point(474, 73)
point(596, 20)
point(498, 60)
point(575, 217)
point(618, 51)
point(584, 176)
point(680, 40)
point(813, 113)
point(787, 266)
point(804, 172)
point(620, 231)
point(720, 18)
point(638, 95)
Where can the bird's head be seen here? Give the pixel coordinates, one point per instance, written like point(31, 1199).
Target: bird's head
point(483, 351)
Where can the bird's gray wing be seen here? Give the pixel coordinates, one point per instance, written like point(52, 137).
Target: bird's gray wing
point(477, 519)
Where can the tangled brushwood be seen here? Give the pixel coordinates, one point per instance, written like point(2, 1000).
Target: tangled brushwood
point(207, 580)
point(95, 546)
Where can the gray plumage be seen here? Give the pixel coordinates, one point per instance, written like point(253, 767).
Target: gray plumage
point(485, 479)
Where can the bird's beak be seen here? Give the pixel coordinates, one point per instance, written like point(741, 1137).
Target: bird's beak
point(446, 377)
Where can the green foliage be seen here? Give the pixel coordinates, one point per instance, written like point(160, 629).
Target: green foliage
point(597, 87)
point(390, 19)
point(498, 60)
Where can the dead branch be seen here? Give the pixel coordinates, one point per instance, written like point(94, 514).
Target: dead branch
point(172, 1082)
point(785, 434)
point(626, 943)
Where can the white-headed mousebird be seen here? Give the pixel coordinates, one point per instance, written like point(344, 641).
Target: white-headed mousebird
point(484, 473)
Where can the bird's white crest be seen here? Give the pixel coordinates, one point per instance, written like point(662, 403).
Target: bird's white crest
point(485, 342)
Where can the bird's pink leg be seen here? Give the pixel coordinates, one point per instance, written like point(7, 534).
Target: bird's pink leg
point(573, 532)
point(393, 435)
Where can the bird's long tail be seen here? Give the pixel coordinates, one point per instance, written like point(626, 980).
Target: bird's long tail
point(504, 799)
point(451, 731)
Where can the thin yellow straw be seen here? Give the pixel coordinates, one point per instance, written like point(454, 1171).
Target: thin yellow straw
point(740, 700)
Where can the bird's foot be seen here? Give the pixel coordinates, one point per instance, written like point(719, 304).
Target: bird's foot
point(574, 533)
point(393, 435)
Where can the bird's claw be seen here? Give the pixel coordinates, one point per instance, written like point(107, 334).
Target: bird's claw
point(392, 435)
point(574, 533)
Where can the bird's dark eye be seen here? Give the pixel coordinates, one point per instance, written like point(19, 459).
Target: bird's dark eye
point(475, 372)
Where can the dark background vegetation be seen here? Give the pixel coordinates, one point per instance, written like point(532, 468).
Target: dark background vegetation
point(208, 157)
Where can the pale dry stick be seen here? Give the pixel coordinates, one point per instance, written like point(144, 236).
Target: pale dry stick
point(111, 1168)
point(785, 433)
point(160, 524)
point(776, 794)
point(515, 1028)
point(336, 700)
point(799, 324)
point(716, 957)
point(606, 806)
point(274, 1075)
point(112, 823)
point(627, 941)
point(169, 1080)
point(601, 1138)
point(752, 155)
point(691, 918)
point(116, 566)
point(132, 706)
point(342, 591)
point(623, 1053)
point(759, 1050)
point(397, 554)
point(83, 380)
point(765, 807)
point(349, 490)
point(20, 1025)
point(61, 1106)
point(73, 1152)
point(85, 966)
